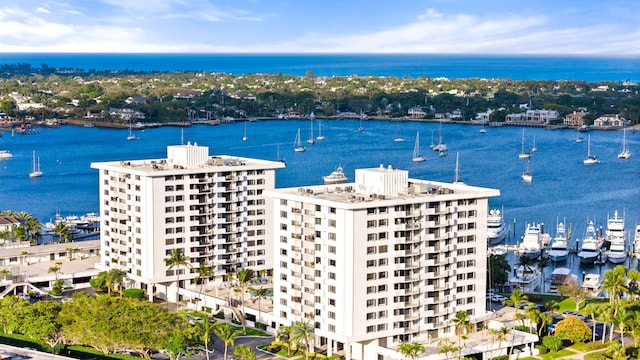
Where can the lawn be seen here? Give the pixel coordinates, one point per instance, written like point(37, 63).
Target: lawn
point(557, 354)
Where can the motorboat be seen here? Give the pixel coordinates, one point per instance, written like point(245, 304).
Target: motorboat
point(559, 246)
point(636, 242)
point(336, 177)
point(615, 237)
point(591, 283)
point(5, 154)
point(525, 278)
point(591, 249)
point(561, 276)
point(496, 228)
point(531, 245)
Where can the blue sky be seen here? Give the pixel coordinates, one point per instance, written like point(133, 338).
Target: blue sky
point(609, 28)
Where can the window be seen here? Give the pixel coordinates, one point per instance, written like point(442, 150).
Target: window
point(332, 289)
point(332, 223)
point(371, 237)
point(371, 302)
point(371, 250)
point(332, 249)
point(371, 223)
point(382, 249)
point(383, 222)
point(332, 210)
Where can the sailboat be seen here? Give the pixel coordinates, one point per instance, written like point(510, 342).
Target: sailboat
point(441, 148)
point(398, 138)
point(579, 138)
point(131, 136)
point(278, 155)
point(320, 136)
point(482, 129)
point(526, 175)
point(416, 150)
point(297, 144)
point(35, 172)
point(456, 178)
point(523, 155)
point(244, 138)
point(432, 144)
point(590, 158)
point(361, 128)
point(625, 153)
point(311, 139)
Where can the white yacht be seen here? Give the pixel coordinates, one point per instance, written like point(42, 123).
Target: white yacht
point(531, 244)
point(496, 228)
point(591, 283)
point(625, 153)
point(525, 278)
point(559, 246)
point(617, 252)
point(590, 160)
point(5, 154)
point(336, 177)
point(636, 242)
point(590, 251)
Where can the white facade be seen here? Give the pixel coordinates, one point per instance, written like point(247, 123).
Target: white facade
point(381, 261)
point(210, 208)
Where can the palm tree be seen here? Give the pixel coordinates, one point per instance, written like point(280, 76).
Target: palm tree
point(543, 263)
point(62, 230)
point(115, 277)
point(260, 293)
point(515, 300)
point(284, 334)
point(5, 273)
point(302, 333)
point(55, 269)
point(411, 350)
point(244, 276)
point(204, 272)
point(593, 310)
point(205, 327)
point(447, 347)
point(244, 352)
point(634, 283)
point(177, 259)
point(533, 314)
point(614, 282)
point(225, 333)
point(545, 319)
point(552, 305)
point(463, 324)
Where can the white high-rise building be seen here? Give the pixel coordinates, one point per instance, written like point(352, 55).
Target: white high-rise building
point(381, 261)
point(210, 208)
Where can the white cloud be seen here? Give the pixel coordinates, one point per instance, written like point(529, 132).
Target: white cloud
point(42, 10)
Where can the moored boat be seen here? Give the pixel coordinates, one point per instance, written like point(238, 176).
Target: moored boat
point(525, 278)
point(617, 252)
point(496, 228)
point(591, 283)
point(5, 154)
point(559, 246)
point(591, 249)
point(531, 244)
point(636, 242)
point(336, 177)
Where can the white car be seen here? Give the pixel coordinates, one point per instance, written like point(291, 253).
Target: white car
point(498, 298)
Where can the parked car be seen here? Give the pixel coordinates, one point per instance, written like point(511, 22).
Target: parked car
point(497, 298)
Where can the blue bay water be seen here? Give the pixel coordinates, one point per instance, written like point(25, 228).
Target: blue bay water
point(402, 65)
point(563, 187)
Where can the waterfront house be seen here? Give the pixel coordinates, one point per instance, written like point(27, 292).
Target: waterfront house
point(609, 121)
point(576, 118)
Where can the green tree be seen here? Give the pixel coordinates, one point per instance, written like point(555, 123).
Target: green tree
point(62, 231)
point(614, 282)
point(552, 343)
point(55, 269)
point(177, 259)
point(411, 350)
point(302, 334)
point(204, 272)
point(462, 324)
point(225, 333)
point(575, 291)
point(11, 309)
point(205, 329)
point(244, 276)
point(40, 322)
point(616, 350)
point(593, 311)
point(115, 280)
point(573, 329)
point(260, 294)
point(284, 334)
point(99, 282)
point(243, 352)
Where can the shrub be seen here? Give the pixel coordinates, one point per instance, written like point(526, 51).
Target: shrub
point(501, 357)
point(553, 343)
point(523, 328)
point(542, 349)
point(56, 289)
point(595, 356)
point(133, 293)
